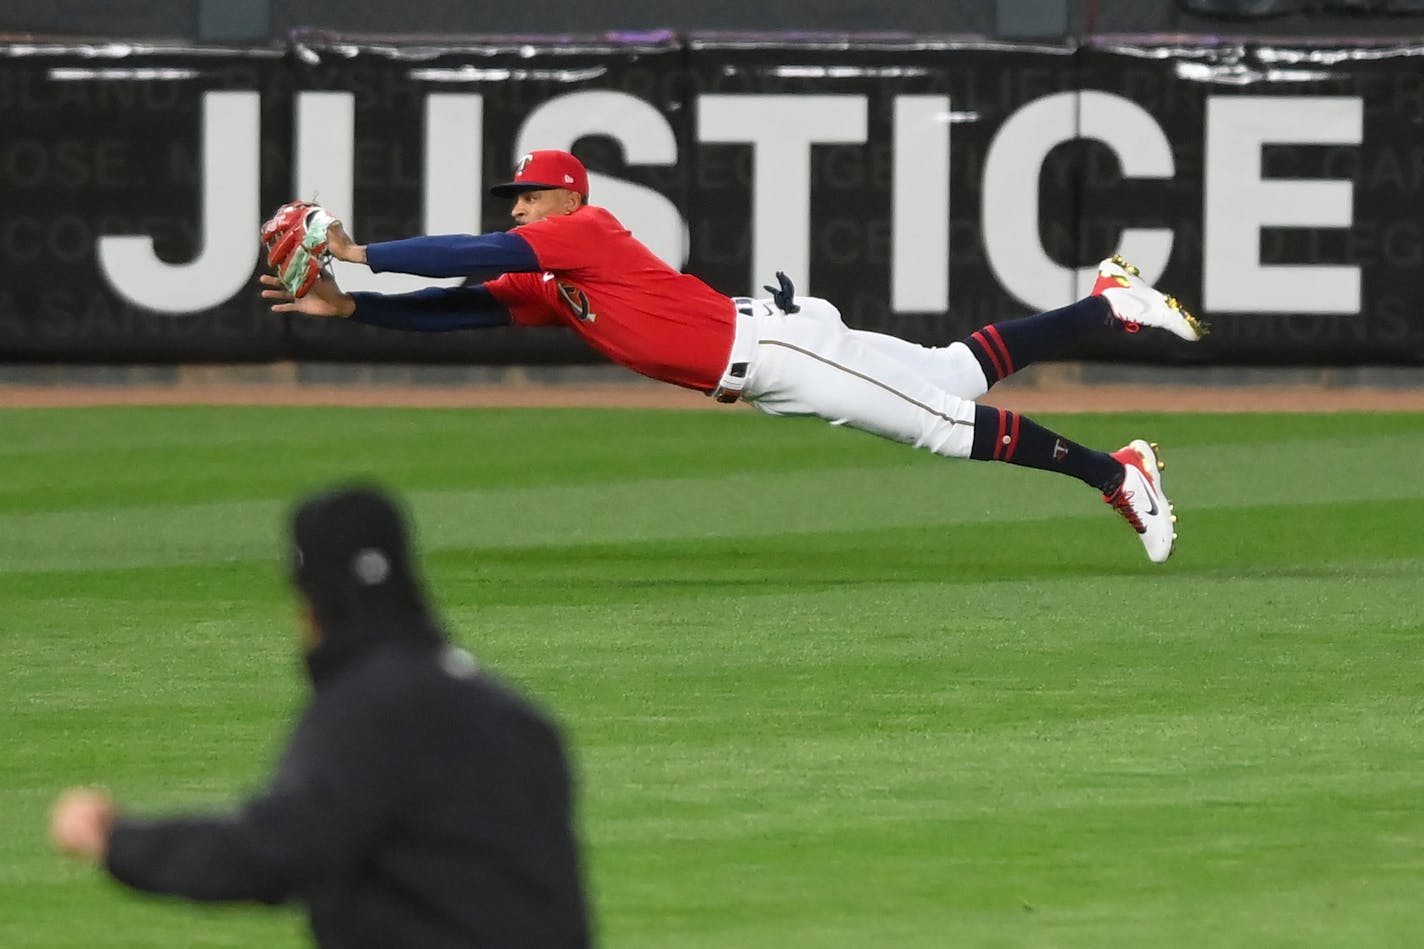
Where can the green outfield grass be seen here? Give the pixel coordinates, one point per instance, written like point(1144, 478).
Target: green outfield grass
point(823, 691)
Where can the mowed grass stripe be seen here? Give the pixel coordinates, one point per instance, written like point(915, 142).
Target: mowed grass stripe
point(74, 457)
point(88, 458)
point(1314, 535)
point(745, 505)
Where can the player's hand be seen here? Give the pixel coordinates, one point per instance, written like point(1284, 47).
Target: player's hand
point(342, 246)
point(324, 298)
point(81, 821)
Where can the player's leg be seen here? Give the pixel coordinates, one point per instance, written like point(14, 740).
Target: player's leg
point(952, 368)
point(1120, 301)
point(1002, 349)
point(810, 364)
point(971, 366)
point(1130, 478)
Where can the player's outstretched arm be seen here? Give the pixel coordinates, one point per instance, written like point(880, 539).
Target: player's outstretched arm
point(432, 310)
point(454, 255)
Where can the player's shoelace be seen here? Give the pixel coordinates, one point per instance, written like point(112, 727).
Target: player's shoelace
point(1121, 501)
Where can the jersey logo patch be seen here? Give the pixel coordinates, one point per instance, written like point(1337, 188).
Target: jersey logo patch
point(577, 302)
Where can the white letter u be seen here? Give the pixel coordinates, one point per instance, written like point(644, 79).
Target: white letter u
point(231, 155)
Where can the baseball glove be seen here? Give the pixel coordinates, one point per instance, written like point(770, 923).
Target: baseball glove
point(295, 238)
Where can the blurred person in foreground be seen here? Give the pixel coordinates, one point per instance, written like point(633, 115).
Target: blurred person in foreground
point(418, 803)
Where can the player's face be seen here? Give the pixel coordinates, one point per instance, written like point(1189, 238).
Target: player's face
point(531, 206)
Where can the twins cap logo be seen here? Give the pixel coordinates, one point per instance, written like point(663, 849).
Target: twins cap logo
point(524, 163)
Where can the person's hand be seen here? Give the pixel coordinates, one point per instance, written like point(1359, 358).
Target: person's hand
point(81, 821)
point(341, 245)
point(324, 298)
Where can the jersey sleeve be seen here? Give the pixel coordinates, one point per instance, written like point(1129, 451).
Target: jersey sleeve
point(529, 298)
point(561, 242)
point(432, 310)
point(452, 255)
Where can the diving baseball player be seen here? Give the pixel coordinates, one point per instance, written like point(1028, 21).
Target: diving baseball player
point(569, 263)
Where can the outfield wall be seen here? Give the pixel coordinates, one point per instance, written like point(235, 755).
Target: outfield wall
point(927, 187)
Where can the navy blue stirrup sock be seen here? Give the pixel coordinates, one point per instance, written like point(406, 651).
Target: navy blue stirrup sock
point(1005, 347)
point(1001, 435)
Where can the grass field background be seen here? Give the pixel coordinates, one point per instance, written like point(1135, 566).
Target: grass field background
point(822, 691)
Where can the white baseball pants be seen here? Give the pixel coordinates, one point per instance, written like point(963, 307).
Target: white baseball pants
point(811, 363)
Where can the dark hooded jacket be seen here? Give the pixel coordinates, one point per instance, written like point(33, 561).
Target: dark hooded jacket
point(419, 803)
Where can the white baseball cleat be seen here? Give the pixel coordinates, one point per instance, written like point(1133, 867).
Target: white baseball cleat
point(1141, 501)
point(1136, 303)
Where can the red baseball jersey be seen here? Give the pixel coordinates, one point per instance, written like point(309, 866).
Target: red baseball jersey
point(630, 305)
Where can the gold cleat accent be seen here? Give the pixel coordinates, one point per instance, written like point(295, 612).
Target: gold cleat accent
point(1117, 259)
point(1200, 327)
